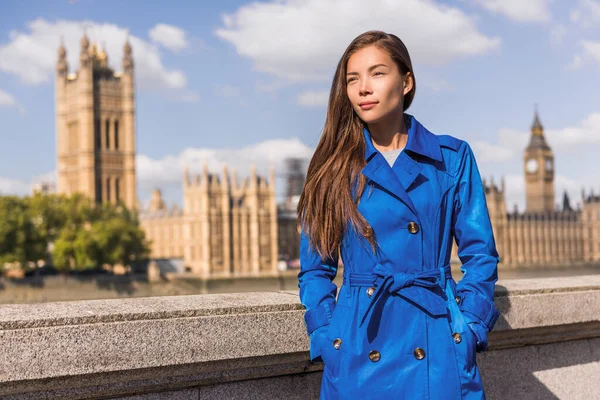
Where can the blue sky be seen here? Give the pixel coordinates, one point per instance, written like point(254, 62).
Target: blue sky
point(238, 82)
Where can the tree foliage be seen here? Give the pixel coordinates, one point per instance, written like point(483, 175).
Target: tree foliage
point(80, 234)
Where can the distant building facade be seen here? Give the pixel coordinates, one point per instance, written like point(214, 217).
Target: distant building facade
point(287, 216)
point(543, 235)
point(95, 126)
point(225, 229)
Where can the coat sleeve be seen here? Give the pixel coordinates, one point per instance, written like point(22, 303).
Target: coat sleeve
point(317, 292)
point(476, 249)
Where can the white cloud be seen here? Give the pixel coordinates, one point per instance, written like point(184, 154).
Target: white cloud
point(557, 34)
point(230, 92)
point(576, 63)
point(6, 99)
point(514, 192)
point(227, 91)
point(436, 83)
point(511, 143)
point(167, 172)
point(514, 139)
point(519, 10)
point(189, 97)
point(487, 152)
point(590, 51)
point(586, 132)
point(169, 36)
point(586, 14)
point(32, 55)
point(19, 187)
point(311, 35)
point(313, 98)
point(14, 187)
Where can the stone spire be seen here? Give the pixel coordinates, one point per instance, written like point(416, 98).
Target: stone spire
point(537, 139)
point(84, 55)
point(156, 202)
point(566, 202)
point(536, 126)
point(127, 58)
point(102, 56)
point(62, 67)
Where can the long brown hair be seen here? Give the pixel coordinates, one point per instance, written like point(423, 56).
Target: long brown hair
point(326, 206)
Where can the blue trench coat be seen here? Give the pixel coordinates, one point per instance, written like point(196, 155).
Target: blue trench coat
point(400, 327)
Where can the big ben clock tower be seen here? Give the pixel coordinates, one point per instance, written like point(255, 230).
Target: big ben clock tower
point(539, 170)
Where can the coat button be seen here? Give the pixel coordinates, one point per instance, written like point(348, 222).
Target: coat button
point(457, 300)
point(374, 355)
point(370, 291)
point(337, 343)
point(457, 337)
point(368, 233)
point(419, 353)
point(413, 227)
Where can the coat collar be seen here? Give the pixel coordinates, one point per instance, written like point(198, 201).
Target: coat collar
point(399, 179)
point(420, 140)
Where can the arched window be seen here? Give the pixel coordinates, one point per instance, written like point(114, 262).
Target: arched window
point(117, 191)
point(107, 189)
point(98, 190)
point(97, 136)
point(116, 134)
point(107, 133)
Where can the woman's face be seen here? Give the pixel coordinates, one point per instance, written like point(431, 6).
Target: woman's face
point(375, 86)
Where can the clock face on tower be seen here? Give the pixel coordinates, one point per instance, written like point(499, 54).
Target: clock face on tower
point(532, 165)
point(548, 164)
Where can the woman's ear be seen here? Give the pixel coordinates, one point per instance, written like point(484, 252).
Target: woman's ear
point(408, 83)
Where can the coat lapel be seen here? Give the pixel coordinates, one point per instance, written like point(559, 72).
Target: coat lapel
point(379, 171)
point(398, 179)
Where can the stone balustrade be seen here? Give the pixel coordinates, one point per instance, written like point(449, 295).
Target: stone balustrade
point(546, 345)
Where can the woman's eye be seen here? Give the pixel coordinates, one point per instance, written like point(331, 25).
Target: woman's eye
point(350, 80)
point(378, 73)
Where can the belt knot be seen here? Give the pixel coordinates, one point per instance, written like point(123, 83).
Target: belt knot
point(388, 281)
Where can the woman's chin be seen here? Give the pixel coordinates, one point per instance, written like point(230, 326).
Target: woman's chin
point(370, 119)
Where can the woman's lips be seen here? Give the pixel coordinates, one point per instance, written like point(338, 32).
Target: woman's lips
point(367, 105)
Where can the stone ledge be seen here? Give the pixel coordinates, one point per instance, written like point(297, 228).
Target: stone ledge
point(101, 348)
point(21, 316)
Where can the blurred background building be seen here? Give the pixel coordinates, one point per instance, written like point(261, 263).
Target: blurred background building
point(545, 234)
point(233, 229)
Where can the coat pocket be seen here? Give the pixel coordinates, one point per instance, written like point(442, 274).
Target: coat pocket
point(464, 339)
point(336, 341)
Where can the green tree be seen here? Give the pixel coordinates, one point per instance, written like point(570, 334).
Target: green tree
point(20, 238)
point(103, 235)
point(83, 235)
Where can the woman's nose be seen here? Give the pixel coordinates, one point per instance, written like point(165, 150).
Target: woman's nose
point(365, 87)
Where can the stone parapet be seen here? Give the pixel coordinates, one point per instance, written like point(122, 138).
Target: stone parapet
point(254, 345)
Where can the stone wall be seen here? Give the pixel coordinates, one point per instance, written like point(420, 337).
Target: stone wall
point(49, 288)
point(546, 345)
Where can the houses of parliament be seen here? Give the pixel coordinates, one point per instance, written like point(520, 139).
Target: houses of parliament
point(228, 228)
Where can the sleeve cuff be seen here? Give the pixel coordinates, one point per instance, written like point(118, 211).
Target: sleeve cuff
point(317, 337)
point(318, 316)
point(478, 309)
point(480, 333)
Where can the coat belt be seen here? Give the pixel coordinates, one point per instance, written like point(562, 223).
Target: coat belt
point(416, 287)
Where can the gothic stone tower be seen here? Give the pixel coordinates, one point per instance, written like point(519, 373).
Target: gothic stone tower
point(95, 127)
point(539, 171)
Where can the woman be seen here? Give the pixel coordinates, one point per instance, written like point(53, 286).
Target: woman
point(388, 196)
